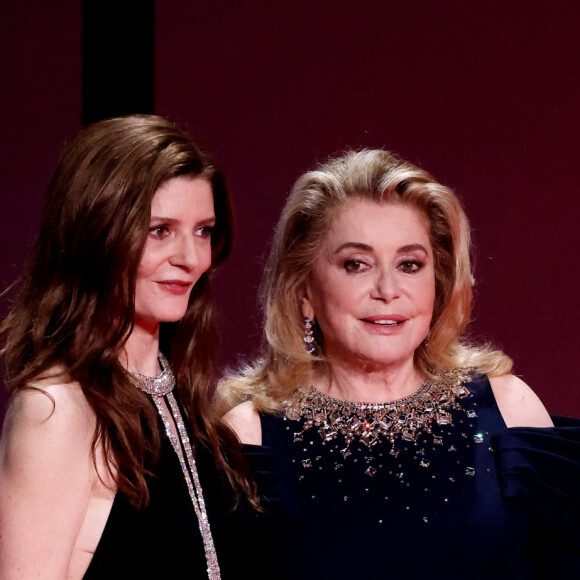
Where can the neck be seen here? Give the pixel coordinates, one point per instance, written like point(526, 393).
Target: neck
point(368, 383)
point(141, 351)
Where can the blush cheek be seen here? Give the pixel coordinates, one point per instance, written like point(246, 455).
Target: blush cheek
point(204, 264)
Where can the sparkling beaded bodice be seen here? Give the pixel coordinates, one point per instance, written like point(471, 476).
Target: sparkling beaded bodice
point(406, 489)
point(388, 456)
point(406, 419)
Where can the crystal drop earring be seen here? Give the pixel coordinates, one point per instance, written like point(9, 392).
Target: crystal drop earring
point(308, 338)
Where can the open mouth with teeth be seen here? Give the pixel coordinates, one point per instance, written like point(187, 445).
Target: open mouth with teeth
point(385, 322)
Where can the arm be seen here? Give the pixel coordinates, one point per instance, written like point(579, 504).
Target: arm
point(518, 404)
point(244, 420)
point(45, 481)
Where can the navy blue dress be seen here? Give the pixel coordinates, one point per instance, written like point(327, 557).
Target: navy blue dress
point(473, 500)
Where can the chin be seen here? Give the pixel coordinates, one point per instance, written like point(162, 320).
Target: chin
point(385, 357)
point(172, 315)
point(175, 318)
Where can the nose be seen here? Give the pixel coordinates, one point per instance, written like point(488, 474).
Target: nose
point(385, 286)
point(186, 253)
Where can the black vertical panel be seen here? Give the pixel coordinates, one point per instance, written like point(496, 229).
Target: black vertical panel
point(118, 49)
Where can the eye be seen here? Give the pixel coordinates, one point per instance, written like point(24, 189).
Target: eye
point(159, 232)
point(355, 266)
point(205, 232)
point(410, 266)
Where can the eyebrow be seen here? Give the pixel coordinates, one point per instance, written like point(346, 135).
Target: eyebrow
point(367, 248)
point(210, 221)
point(354, 245)
point(412, 248)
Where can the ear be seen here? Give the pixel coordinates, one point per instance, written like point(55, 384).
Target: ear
point(307, 307)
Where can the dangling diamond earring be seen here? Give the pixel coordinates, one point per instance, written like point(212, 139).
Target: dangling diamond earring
point(308, 338)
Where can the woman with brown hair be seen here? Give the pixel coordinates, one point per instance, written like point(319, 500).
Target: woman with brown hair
point(109, 347)
point(390, 445)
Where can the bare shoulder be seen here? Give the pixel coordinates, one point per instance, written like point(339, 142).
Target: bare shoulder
point(47, 409)
point(58, 399)
point(245, 421)
point(49, 425)
point(46, 476)
point(518, 404)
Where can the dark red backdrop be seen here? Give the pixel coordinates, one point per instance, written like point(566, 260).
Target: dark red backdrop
point(484, 95)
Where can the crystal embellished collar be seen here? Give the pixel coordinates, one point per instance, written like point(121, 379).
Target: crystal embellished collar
point(160, 388)
point(404, 418)
point(159, 385)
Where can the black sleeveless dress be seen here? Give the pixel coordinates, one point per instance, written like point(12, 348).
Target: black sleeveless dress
point(473, 500)
point(163, 541)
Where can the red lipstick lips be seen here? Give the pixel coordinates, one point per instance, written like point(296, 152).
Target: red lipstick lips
point(385, 319)
point(177, 287)
point(384, 323)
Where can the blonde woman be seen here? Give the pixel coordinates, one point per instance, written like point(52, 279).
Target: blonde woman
point(397, 448)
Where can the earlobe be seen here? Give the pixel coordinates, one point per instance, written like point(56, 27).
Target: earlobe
point(307, 308)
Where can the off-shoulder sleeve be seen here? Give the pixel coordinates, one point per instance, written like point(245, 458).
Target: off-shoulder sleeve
point(539, 470)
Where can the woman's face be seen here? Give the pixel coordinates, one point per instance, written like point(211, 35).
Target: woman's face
point(372, 287)
point(177, 252)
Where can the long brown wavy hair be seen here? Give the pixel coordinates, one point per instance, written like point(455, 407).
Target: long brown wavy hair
point(74, 306)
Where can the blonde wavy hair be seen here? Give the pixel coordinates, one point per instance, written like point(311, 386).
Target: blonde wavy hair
point(314, 201)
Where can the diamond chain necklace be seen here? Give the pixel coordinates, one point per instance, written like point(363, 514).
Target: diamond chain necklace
point(160, 387)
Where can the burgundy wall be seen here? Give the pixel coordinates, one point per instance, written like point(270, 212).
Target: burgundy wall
point(40, 104)
point(483, 95)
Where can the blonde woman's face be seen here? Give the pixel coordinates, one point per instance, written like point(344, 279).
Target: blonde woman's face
point(372, 287)
point(178, 250)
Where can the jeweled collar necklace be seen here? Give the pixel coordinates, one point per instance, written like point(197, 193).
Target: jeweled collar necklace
point(405, 418)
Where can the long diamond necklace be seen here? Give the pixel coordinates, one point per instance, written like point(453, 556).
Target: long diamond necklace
point(160, 387)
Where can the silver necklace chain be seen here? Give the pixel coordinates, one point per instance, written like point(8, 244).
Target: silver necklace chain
point(159, 387)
